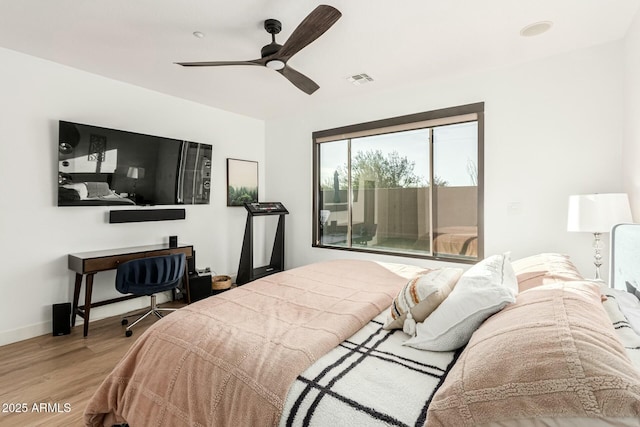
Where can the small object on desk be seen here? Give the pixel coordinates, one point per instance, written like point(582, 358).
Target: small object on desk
point(173, 241)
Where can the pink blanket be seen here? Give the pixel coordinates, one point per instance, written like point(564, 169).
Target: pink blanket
point(229, 360)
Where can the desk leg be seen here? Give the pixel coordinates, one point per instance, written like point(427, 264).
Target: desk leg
point(87, 301)
point(76, 298)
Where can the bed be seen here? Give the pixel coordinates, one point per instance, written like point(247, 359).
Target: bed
point(458, 240)
point(89, 193)
point(328, 344)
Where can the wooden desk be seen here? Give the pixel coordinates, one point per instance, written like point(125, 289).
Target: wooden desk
point(89, 263)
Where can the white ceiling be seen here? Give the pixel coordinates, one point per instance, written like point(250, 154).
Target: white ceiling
point(396, 43)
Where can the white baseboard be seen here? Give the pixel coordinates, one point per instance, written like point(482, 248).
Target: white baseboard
point(24, 333)
point(110, 310)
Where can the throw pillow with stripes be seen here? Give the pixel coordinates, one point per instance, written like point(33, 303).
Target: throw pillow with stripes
point(420, 297)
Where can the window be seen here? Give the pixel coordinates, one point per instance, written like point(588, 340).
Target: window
point(408, 186)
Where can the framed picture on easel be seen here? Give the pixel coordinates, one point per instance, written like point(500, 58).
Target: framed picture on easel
point(242, 182)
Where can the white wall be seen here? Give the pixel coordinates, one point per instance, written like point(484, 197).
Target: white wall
point(631, 145)
point(37, 235)
point(552, 128)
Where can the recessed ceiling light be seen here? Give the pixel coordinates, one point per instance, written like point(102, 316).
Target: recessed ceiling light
point(536, 28)
point(198, 34)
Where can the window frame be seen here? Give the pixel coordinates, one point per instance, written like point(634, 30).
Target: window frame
point(320, 137)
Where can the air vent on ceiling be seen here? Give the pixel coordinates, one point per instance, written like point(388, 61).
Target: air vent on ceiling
point(360, 79)
point(536, 29)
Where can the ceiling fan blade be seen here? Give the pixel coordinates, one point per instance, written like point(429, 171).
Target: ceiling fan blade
point(301, 81)
point(312, 27)
point(217, 63)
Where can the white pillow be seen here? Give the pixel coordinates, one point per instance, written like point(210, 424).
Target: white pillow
point(482, 290)
point(80, 187)
point(98, 189)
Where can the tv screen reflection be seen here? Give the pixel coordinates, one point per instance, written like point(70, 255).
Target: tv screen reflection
point(106, 167)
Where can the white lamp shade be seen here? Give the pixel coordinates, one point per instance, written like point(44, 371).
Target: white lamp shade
point(598, 213)
point(135, 173)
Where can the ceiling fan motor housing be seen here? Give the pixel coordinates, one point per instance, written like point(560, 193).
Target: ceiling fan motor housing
point(270, 49)
point(273, 27)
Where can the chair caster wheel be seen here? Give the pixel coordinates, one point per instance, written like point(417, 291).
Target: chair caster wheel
point(128, 333)
point(124, 322)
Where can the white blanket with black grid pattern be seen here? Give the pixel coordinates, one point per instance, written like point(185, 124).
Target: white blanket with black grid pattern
point(630, 340)
point(369, 380)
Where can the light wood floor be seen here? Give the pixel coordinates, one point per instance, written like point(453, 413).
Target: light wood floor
point(38, 373)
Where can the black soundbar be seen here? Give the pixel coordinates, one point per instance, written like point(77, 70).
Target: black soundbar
point(141, 215)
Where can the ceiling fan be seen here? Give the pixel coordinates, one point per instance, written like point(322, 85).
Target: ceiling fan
point(275, 56)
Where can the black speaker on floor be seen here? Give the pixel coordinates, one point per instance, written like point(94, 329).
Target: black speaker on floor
point(61, 319)
point(199, 287)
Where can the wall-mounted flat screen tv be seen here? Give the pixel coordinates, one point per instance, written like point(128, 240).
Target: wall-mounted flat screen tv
point(99, 166)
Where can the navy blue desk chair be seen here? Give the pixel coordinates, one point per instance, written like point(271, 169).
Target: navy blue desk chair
point(148, 276)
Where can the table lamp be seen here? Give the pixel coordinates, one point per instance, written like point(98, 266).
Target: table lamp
point(597, 214)
point(135, 173)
